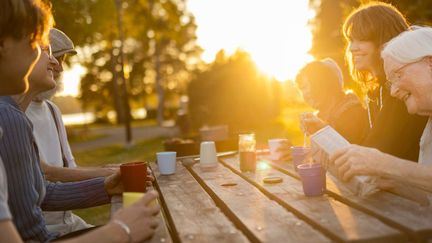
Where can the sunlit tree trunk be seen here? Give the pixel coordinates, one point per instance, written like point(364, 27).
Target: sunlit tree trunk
point(115, 89)
point(159, 88)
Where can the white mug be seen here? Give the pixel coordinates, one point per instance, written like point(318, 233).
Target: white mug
point(166, 162)
point(208, 153)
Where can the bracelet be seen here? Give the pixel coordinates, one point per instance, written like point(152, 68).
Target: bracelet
point(125, 228)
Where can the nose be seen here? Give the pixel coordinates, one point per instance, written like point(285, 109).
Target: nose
point(397, 93)
point(53, 61)
point(59, 66)
point(393, 90)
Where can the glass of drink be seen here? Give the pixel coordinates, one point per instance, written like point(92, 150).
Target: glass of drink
point(247, 146)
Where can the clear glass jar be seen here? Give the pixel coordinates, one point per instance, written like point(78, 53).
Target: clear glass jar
point(247, 152)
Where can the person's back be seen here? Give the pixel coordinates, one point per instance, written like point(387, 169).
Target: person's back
point(25, 183)
point(349, 118)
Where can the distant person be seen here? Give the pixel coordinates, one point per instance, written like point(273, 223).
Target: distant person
point(321, 83)
point(51, 139)
point(366, 30)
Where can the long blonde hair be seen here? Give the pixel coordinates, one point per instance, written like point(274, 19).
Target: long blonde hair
point(377, 22)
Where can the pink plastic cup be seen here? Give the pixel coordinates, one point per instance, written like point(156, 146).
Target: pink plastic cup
point(299, 155)
point(313, 179)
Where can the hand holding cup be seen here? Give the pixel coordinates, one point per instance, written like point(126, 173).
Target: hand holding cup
point(310, 123)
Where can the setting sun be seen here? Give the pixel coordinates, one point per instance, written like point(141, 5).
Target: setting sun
point(274, 32)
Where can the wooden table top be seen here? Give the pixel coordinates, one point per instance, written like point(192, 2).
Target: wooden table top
point(226, 205)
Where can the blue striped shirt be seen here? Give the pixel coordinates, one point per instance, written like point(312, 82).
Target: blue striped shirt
point(28, 192)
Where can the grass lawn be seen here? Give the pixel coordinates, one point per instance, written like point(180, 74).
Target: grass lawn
point(143, 151)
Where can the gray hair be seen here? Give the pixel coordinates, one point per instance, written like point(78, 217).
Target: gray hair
point(410, 46)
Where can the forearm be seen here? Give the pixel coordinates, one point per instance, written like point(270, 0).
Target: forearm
point(406, 171)
point(8, 232)
point(109, 233)
point(75, 195)
point(74, 174)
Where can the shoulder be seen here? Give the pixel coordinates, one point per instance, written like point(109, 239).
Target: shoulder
point(13, 120)
point(9, 113)
point(49, 103)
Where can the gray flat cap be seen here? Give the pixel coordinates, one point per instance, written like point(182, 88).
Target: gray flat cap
point(60, 43)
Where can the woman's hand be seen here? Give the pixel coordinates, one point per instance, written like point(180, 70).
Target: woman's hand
point(310, 123)
point(356, 160)
point(140, 217)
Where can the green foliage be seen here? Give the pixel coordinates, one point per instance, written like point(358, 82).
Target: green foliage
point(232, 92)
point(160, 49)
point(328, 40)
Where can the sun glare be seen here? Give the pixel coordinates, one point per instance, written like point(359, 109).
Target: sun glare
point(274, 32)
point(71, 78)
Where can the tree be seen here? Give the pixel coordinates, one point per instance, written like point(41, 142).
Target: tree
point(171, 41)
point(231, 92)
point(160, 50)
point(328, 40)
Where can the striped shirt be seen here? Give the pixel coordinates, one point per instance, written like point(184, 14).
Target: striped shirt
point(28, 192)
point(4, 208)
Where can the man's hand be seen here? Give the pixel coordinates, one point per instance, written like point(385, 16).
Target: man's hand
point(113, 184)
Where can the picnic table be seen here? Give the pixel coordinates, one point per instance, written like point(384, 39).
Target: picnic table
point(226, 205)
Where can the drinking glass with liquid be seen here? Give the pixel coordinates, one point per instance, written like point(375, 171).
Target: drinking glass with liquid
point(247, 151)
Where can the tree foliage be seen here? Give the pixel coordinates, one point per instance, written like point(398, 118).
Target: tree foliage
point(160, 49)
point(232, 92)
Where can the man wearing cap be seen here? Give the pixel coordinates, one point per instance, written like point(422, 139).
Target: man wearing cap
point(58, 163)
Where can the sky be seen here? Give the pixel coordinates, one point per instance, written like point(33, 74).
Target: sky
point(274, 32)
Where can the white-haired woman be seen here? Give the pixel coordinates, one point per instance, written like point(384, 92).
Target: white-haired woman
point(408, 67)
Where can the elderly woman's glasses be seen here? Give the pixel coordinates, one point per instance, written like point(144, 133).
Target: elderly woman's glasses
point(397, 74)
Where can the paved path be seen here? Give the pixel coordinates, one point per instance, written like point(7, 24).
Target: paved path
point(116, 135)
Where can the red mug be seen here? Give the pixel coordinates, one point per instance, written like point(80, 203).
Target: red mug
point(133, 176)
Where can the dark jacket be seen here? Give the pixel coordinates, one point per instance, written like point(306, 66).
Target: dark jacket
point(394, 130)
point(349, 118)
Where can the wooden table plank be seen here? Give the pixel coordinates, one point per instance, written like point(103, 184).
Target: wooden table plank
point(404, 214)
point(194, 215)
point(262, 219)
point(339, 221)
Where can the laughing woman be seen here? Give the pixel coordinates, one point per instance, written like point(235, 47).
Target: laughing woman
point(408, 67)
point(366, 30)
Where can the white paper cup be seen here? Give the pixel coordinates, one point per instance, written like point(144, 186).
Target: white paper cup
point(208, 155)
point(166, 162)
point(274, 145)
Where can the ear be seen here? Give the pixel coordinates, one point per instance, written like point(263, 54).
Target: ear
point(2, 45)
point(429, 61)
